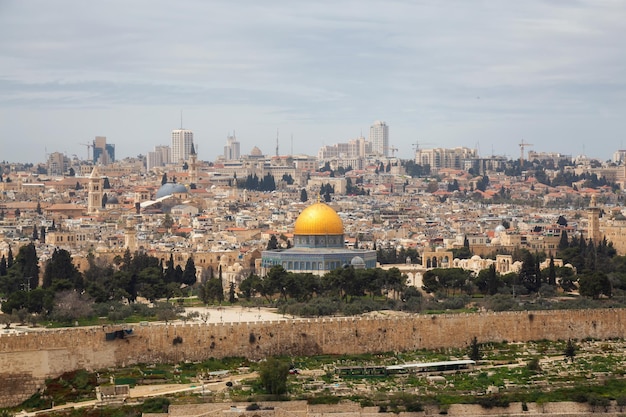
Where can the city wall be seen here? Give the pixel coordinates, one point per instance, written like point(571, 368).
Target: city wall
point(29, 358)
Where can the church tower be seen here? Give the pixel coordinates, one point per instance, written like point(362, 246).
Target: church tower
point(95, 191)
point(593, 227)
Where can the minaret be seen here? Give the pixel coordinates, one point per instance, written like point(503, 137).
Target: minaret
point(593, 228)
point(95, 192)
point(130, 235)
point(193, 165)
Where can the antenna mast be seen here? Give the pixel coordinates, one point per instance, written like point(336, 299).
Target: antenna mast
point(276, 142)
point(181, 119)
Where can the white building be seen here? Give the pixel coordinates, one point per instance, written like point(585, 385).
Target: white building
point(181, 145)
point(158, 158)
point(232, 148)
point(379, 136)
point(619, 156)
point(355, 148)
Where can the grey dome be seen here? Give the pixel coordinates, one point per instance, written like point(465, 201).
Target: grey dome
point(357, 262)
point(171, 188)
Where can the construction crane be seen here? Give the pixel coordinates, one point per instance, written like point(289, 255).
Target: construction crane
point(522, 146)
point(393, 150)
point(416, 145)
point(88, 145)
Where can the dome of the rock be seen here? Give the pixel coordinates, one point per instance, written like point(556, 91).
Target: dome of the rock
point(318, 219)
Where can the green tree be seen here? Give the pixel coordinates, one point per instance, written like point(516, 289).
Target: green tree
point(563, 241)
point(487, 281)
point(570, 350)
point(23, 272)
point(214, 290)
point(304, 197)
point(474, 350)
point(60, 272)
point(276, 282)
point(552, 272)
point(528, 273)
point(272, 244)
point(189, 275)
point(594, 285)
point(250, 286)
point(273, 374)
point(170, 270)
point(445, 279)
point(3, 266)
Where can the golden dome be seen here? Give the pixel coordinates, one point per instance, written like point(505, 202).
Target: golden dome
point(318, 219)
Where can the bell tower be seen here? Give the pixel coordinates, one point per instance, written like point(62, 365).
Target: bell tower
point(95, 191)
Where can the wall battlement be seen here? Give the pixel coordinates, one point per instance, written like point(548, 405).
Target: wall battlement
point(46, 354)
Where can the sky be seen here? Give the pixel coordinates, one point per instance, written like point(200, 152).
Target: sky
point(480, 74)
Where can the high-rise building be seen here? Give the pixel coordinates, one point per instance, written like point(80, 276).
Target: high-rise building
point(103, 152)
point(58, 163)
point(379, 137)
point(181, 145)
point(232, 148)
point(159, 157)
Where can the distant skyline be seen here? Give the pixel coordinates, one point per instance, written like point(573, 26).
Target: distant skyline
point(444, 74)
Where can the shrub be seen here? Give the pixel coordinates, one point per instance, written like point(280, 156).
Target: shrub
point(155, 405)
point(490, 401)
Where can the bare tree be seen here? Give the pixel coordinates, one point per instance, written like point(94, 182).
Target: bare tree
point(71, 305)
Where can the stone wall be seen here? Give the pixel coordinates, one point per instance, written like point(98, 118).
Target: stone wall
point(47, 354)
point(349, 409)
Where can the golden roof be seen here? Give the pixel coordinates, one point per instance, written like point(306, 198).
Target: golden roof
point(318, 219)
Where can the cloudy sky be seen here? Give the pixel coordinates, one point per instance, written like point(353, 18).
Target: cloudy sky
point(484, 74)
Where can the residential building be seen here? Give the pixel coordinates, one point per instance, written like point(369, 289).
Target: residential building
point(440, 158)
point(181, 145)
point(379, 137)
point(58, 163)
point(159, 157)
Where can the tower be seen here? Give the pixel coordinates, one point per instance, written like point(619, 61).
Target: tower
point(181, 145)
point(593, 228)
point(232, 148)
point(95, 191)
point(193, 165)
point(103, 152)
point(379, 137)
